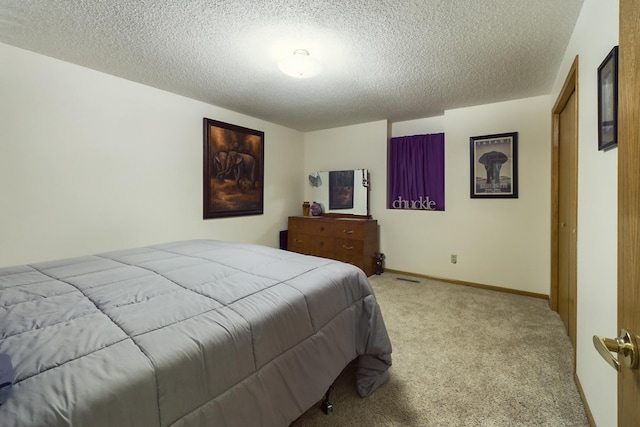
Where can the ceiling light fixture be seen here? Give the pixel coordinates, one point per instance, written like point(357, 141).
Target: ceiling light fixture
point(300, 65)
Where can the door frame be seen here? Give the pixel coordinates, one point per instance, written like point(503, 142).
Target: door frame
point(628, 286)
point(569, 87)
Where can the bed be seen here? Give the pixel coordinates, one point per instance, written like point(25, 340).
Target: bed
point(190, 333)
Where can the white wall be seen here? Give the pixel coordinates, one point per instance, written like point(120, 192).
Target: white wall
point(90, 162)
point(595, 34)
point(499, 242)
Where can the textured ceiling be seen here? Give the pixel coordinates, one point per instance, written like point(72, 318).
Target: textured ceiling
point(385, 59)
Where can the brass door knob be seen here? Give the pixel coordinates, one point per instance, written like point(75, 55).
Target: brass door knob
point(626, 345)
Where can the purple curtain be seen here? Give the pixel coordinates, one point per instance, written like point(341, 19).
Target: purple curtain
point(416, 172)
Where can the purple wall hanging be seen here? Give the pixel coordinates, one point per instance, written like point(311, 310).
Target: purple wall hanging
point(416, 172)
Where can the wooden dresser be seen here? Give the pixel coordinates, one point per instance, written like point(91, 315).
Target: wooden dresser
point(352, 240)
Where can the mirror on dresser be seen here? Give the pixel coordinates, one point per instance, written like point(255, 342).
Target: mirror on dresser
point(341, 192)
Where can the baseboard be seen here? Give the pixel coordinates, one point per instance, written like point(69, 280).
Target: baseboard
point(592, 422)
point(471, 284)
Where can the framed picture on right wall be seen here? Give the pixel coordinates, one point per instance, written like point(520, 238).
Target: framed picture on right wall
point(608, 101)
point(494, 166)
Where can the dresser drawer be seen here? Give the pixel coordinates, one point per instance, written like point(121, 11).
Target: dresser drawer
point(297, 225)
point(321, 246)
point(345, 248)
point(298, 243)
point(318, 227)
point(348, 229)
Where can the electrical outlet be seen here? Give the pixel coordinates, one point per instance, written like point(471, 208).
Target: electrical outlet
point(454, 259)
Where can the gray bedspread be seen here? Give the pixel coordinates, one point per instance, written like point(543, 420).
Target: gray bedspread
point(193, 333)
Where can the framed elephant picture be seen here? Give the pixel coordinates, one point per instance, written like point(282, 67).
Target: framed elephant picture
point(233, 170)
point(494, 166)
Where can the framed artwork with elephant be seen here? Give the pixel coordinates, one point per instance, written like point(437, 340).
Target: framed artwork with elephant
point(494, 166)
point(233, 170)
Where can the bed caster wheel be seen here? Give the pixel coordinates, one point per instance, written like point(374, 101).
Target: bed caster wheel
point(327, 408)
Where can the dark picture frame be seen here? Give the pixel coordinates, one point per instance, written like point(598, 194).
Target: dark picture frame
point(494, 166)
point(608, 101)
point(233, 170)
point(341, 187)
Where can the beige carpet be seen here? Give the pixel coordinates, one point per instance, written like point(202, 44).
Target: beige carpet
point(463, 357)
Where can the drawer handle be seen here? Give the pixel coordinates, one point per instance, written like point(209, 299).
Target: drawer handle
point(298, 240)
point(321, 228)
point(347, 247)
point(347, 231)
